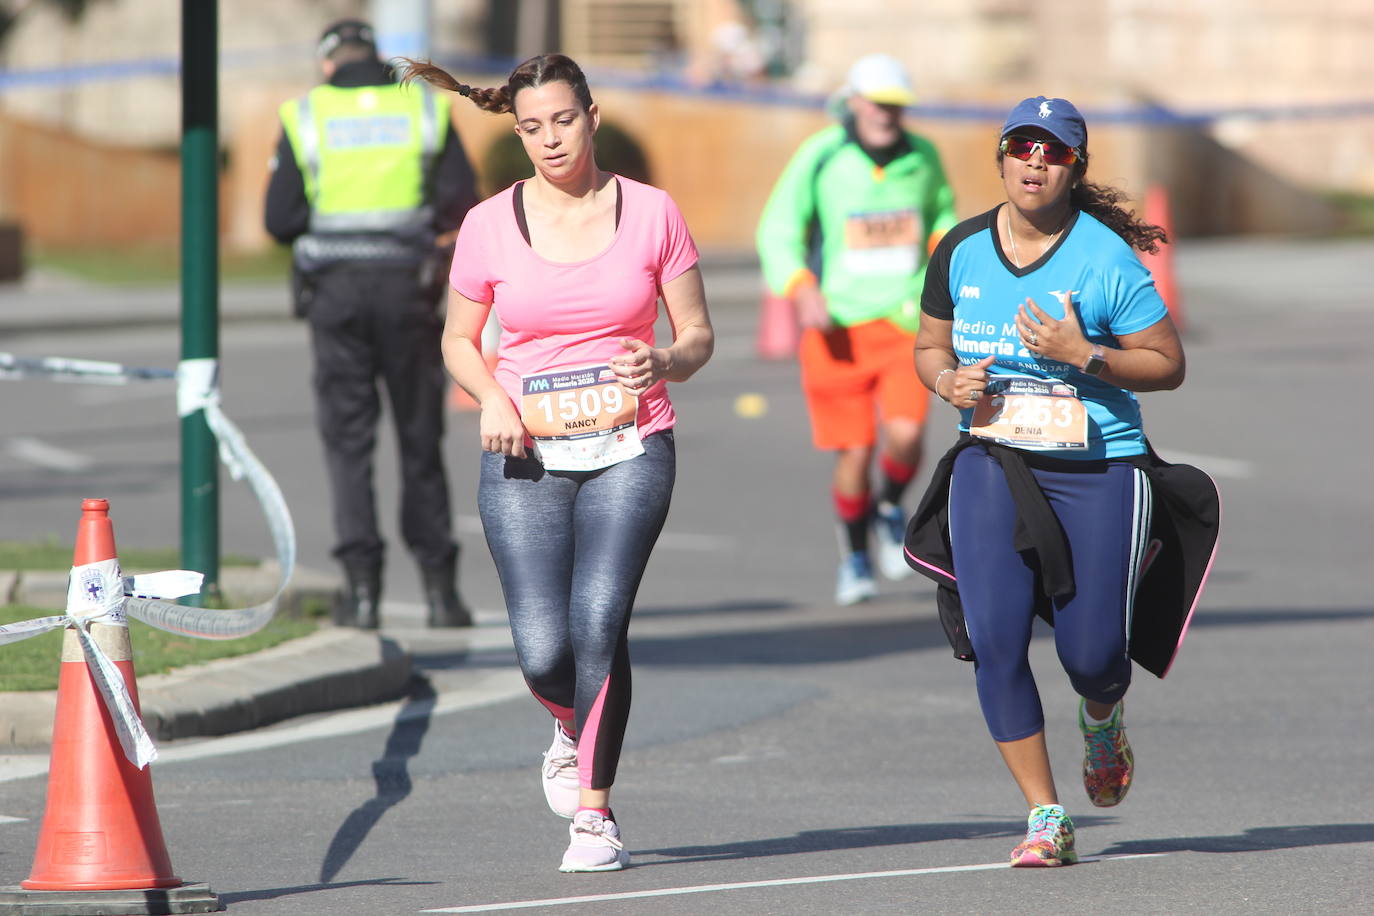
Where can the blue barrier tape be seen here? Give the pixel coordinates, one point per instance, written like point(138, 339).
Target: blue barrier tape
point(498, 67)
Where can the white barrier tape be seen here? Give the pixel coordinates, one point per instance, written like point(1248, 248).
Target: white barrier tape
point(173, 583)
point(197, 385)
point(133, 737)
point(99, 592)
point(60, 369)
point(95, 594)
point(197, 390)
point(95, 591)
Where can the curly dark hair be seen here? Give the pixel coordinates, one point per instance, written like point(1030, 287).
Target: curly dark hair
point(537, 71)
point(1104, 204)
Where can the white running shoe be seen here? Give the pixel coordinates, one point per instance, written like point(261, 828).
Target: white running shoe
point(889, 526)
point(855, 580)
point(595, 845)
point(561, 788)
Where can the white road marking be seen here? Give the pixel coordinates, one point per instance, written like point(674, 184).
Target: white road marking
point(1214, 466)
point(744, 885)
point(668, 540)
point(6, 819)
point(494, 687)
point(37, 452)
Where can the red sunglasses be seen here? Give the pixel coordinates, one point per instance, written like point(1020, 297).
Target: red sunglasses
point(1055, 153)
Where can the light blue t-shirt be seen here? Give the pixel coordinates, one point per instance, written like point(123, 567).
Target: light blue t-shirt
point(971, 281)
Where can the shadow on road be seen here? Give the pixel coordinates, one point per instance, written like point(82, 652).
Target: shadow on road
point(1251, 616)
point(799, 645)
point(720, 607)
point(834, 840)
point(391, 775)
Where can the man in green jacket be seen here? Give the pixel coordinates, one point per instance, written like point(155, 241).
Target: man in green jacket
point(846, 235)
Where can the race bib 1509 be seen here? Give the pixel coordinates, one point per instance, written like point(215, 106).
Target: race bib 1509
point(580, 419)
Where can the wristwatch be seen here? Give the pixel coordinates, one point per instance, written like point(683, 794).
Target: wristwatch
point(1096, 362)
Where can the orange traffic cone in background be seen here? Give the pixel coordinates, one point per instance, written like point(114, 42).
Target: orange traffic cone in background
point(101, 829)
point(1161, 264)
point(458, 399)
point(779, 331)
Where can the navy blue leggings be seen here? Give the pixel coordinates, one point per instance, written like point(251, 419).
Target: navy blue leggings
point(570, 548)
point(1104, 511)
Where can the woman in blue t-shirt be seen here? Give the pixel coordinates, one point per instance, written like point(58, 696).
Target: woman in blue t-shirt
point(1039, 323)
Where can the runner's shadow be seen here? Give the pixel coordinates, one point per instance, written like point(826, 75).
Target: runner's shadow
point(391, 775)
point(834, 840)
point(841, 641)
point(1256, 839)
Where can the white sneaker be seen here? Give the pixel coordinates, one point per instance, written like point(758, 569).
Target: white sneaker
point(889, 527)
point(595, 845)
point(855, 580)
point(559, 774)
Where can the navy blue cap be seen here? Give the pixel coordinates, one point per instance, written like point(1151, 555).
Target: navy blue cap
point(1058, 116)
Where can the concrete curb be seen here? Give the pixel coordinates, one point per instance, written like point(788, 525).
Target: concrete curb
point(333, 668)
point(330, 669)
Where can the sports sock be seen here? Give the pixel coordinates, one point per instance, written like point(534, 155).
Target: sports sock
point(854, 513)
point(1089, 721)
point(897, 476)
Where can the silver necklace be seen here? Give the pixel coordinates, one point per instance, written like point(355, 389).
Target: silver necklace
point(1011, 237)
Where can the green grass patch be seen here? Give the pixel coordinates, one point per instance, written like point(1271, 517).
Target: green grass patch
point(34, 663)
point(154, 264)
point(1357, 211)
point(52, 554)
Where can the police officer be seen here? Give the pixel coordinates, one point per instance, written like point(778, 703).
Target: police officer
point(368, 186)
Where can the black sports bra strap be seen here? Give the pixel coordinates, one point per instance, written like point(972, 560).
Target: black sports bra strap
point(518, 202)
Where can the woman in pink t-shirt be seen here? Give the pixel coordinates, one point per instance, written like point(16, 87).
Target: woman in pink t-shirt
point(576, 425)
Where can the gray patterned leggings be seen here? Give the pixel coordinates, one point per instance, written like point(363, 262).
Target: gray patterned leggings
point(570, 548)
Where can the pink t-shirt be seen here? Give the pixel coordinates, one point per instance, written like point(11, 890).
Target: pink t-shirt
point(565, 316)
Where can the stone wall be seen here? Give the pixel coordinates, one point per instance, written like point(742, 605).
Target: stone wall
point(1262, 165)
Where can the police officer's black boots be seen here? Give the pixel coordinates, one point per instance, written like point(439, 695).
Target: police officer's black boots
point(446, 609)
point(358, 605)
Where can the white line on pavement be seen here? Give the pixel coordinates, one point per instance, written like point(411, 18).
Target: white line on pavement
point(669, 540)
point(37, 452)
point(743, 885)
point(494, 687)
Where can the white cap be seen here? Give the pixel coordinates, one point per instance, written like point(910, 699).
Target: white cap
point(880, 78)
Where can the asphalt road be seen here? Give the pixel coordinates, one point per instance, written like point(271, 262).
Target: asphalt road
point(786, 756)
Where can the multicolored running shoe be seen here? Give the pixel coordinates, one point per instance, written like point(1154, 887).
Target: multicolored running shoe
point(1107, 759)
point(1049, 839)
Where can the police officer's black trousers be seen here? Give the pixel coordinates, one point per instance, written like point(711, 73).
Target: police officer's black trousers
point(372, 324)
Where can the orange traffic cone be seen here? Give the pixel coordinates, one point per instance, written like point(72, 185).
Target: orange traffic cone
point(779, 331)
point(1161, 264)
point(101, 830)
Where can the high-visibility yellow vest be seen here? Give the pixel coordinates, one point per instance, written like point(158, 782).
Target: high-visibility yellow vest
point(365, 154)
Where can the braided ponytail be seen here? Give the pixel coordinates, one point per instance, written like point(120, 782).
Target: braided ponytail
point(497, 101)
point(537, 71)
